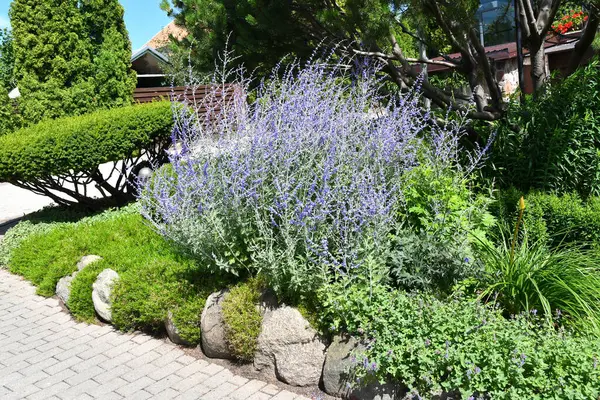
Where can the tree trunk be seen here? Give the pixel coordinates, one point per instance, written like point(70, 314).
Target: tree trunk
point(538, 66)
point(584, 42)
point(477, 88)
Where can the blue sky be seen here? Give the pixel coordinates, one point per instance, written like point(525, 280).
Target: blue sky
point(143, 18)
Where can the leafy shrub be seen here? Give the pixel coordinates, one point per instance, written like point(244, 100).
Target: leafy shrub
point(551, 142)
point(10, 119)
point(242, 318)
point(42, 156)
point(461, 345)
point(302, 184)
point(564, 218)
point(186, 315)
point(430, 261)
point(441, 217)
point(565, 279)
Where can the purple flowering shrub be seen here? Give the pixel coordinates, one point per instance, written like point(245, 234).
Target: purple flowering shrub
point(302, 184)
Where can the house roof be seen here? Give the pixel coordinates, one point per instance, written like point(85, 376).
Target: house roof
point(146, 50)
point(162, 38)
point(507, 51)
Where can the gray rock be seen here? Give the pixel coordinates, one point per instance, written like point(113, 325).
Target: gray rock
point(339, 362)
point(387, 391)
point(87, 260)
point(173, 332)
point(289, 348)
point(339, 381)
point(63, 287)
point(212, 326)
point(101, 291)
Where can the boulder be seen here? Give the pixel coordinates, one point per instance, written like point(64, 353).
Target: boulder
point(337, 374)
point(212, 326)
point(87, 260)
point(339, 362)
point(63, 287)
point(289, 348)
point(101, 291)
point(173, 332)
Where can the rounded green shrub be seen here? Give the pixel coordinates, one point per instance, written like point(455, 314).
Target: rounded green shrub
point(41, 157)
point(81, 143)
point(243, 320)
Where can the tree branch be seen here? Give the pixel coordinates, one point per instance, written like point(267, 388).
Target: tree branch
point(408, 59)
point(584, 43)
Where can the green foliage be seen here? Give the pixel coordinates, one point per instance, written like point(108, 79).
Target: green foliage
point(80, 298)
point(565, 279)
point(186, 315)
point(10, 119)
point(153, 277)
point(262, 33)
point(461, 345)
point(7, 60)
point(82, 143)
point(242, 319)
point(441, 216)
point(551, 142)
point(71, 57)
point(49, 254)
point(42, 222)
point(564, 218)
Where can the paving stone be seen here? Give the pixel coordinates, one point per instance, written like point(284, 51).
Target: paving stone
point(285, 395)
point(260, 396)
point(239, 380)
point(190, 369)
point(45, 354)
point(247, 390)
point(270, 389)
point(220, 392)
point(191, 381)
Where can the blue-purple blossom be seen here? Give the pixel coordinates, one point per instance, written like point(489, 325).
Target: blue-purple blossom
point(303, 183)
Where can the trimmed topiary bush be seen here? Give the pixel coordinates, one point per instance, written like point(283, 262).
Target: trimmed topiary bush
point(65, 154)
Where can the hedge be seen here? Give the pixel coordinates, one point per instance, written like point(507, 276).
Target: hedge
point(565, 218)
point(82, 143)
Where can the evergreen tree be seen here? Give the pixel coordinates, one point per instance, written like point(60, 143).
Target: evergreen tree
point(52, 58)
point(9, 117)
point(7, 60)
point(71, 56)
point(115, 81)
point(262, 32)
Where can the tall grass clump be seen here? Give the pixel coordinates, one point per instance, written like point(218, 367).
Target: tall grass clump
point(301, 184)
point(558, 283)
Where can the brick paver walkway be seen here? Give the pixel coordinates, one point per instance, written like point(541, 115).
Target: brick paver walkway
point(44, 354)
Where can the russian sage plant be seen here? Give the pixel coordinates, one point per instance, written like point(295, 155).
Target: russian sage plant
point(303, 183)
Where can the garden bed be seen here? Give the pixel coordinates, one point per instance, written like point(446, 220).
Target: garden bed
point(325, 247)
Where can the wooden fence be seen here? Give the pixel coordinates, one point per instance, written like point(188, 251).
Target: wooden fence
point(204, 97)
